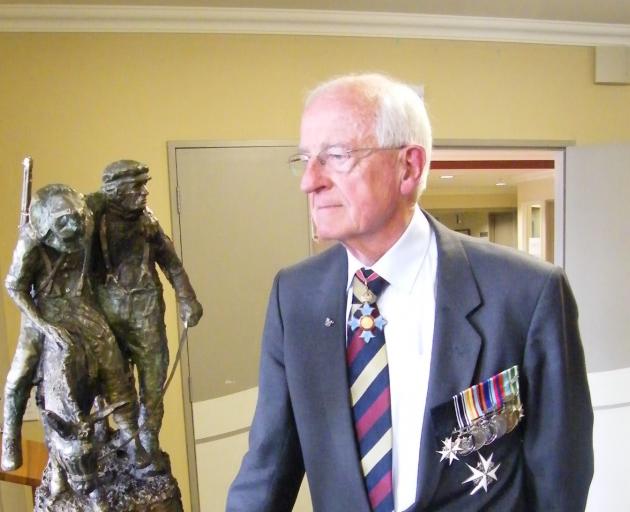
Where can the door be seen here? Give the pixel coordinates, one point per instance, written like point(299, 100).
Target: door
point(597, 261)
point(241, 218)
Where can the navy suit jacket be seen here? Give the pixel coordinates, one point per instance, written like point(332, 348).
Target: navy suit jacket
point(495, 308)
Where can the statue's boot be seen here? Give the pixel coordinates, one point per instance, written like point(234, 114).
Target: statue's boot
point(127, 419)
point(11, 451)
point(151, 444)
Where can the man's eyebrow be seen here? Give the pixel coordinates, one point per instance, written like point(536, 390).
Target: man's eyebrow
point(323, 147)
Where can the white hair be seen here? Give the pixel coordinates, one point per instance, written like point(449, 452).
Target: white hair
point(401, 116)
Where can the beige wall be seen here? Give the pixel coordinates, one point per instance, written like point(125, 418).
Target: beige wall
point(78, 101)
point(535, 190)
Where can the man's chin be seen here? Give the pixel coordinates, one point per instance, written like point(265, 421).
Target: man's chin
point(327, 235)
point(328, 226)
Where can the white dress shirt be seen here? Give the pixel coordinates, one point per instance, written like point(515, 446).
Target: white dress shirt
point(408, 305)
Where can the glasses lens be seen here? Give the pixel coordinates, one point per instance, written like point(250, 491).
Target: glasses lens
point(337, 159)
point(297, 164)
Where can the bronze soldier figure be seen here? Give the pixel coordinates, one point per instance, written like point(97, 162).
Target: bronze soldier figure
point(48, 280)
point(130, 242)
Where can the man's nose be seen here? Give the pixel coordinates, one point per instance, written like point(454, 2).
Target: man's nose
point(314, 177)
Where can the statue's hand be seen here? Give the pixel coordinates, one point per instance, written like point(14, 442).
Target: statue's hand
point(59, 335)
point(190, 312)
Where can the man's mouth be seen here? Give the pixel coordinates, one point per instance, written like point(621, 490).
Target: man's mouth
point(326, 206)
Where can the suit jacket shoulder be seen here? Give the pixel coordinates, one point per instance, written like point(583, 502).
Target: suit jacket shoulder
point(503, 277)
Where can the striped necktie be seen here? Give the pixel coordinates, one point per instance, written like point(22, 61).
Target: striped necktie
point(368, 375)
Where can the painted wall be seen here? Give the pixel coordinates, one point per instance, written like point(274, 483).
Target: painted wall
point(75, 102)
point(13, 497)
point(535, 190)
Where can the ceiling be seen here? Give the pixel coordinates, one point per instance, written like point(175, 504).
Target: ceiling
point(470, 179)
point(593, 11)
point(474, 182)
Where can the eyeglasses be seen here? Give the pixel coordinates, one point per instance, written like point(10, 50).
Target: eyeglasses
point(335, 159)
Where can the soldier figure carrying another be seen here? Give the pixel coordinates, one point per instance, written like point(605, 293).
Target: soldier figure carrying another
point(130, 242)
point(48, 280)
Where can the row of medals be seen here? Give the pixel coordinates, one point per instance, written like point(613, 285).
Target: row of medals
point(486, 429)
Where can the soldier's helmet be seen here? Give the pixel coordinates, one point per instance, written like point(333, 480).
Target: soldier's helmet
point(123, 171)
point(51, 207)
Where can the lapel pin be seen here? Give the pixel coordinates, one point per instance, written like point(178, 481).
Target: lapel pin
point(329, 322)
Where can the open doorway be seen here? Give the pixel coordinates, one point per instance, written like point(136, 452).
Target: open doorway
point(503, 196)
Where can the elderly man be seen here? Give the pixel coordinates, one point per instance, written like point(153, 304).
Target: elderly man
point(130, 246)
point(423, 369)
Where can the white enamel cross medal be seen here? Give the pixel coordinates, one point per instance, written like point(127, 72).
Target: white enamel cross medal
point(450, 449)
point(367, 322)
point(483, 474)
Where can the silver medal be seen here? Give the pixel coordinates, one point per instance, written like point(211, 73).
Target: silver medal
point(480, 435)
point(483, 474)
point(512, 418)
point(466, 445)
point(499, 424)
point(450, 449)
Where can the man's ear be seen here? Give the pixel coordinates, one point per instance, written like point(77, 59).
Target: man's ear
point(413, 159)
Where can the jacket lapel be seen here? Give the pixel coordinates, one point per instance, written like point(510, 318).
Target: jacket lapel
point(456, 346)
point(330, 299)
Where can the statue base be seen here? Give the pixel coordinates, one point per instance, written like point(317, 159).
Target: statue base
point(121, 488)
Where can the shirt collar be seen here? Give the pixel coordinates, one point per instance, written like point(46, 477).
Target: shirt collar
point(401, 264)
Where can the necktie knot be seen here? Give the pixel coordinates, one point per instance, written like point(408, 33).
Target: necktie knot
point(365, 318)
point(368, 285)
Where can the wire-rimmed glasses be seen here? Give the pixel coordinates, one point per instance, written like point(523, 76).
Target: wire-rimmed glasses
point(334, 158)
